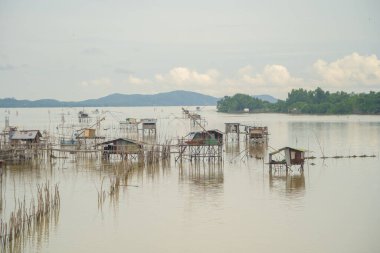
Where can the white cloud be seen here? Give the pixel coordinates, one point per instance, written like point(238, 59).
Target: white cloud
point(272, 75)
point(98, 83)
point(183, 77)
point(138, 81)
point(354, 72)
point(273, 79)
point(349, 71)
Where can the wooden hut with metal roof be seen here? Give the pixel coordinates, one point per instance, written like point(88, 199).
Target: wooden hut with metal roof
point(25, 137)
point(287, 156)
point(205, 144)
point(210, 137)
point(123, 147)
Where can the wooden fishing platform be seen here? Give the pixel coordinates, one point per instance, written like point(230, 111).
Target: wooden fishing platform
point(201, 145)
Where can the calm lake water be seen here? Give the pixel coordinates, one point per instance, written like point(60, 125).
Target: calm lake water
point(333, 206)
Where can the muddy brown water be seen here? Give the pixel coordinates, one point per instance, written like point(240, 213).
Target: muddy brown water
point(236, 206)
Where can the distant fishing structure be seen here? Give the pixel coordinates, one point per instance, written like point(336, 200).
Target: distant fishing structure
point(135, 140)
point(251, 133)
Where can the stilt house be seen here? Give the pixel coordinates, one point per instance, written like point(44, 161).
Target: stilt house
point(290, 156)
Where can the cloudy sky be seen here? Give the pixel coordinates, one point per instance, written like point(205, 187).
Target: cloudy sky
point(79, 49)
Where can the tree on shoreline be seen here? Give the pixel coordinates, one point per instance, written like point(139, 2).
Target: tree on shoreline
point(309, 102)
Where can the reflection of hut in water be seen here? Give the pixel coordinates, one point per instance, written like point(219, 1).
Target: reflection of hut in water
point(149, 126)
point(287, 157)
point(201, 144)
point(232, 147)
point(203, 174)
point(258, 150)
point(205, 181)
point(125, 148)
point(232, 131)
point(294, 182)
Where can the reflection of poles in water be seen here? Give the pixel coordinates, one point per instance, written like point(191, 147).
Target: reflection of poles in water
point(1, 190)
point(116, 176)
point(258, 150)
point(293, 181)
point(24, 221)
point(200, 152)
point(232, 148)
point(202, 173)
point(251, 150)
point(155, 158)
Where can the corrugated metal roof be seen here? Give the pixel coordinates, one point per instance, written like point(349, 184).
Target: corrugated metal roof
point(26, 135)
point(208, 131)
point(120, 139)
point(281, 149)
point(148, 121)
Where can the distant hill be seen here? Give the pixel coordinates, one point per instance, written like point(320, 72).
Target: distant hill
point(173, 98)
point(267, 98)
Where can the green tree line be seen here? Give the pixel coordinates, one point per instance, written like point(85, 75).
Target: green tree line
point(307, 101)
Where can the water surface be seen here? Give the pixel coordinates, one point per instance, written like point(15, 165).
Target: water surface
point(332, 206)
